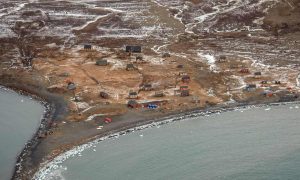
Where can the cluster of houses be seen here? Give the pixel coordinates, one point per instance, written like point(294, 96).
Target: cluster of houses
point(183, 90)
point(128, 49)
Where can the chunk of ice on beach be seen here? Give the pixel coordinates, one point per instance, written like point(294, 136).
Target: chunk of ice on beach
point(291, 107)
point(296, 107)
point(268, 109)
point(22, 100)
point(94, 150)
point(141, 135)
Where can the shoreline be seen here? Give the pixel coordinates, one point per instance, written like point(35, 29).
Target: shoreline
point(51, 107)
point(47, 166)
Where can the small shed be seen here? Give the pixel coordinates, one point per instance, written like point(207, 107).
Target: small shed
point(244, 70)
point(130, 67)
point(71, 86)
point(133, 49)
point(132, 104)
point(139, 58)
point(257, 74)
point(184, 93)
point(277, 82)
point(186, 78)
point(102, 62)
point(166, 55)
point(147, 87)
point(250, 87)
point(222, 59)
point(180, 66)
point(87, 47)
point(104, 95)
point(133, 95)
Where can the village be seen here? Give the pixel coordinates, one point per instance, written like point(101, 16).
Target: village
point(101, 83)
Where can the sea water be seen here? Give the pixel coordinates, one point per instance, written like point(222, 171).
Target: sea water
point(256, 143)
point(20, 117)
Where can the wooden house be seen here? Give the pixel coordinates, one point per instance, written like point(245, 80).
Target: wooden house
point(184, 93)
point(133, 95)
point(166, 55)
point(147, 87)
point(104, 95)
point(180, 66)
point(130, 67)
point(139, 58)
point(133, 104)
point(250, 87)
point(71, 86)
point(257, 74)
point(102, 62)
point(133, 49)
point(222, 59)
point(87, 47)
point(186, 79)
point(277, 82)
point(244, 70)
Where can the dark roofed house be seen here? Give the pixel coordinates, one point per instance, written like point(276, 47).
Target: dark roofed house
point(87, 47)
point(104, 95)
point(71, 86)
point(102, 62)
point(186, 78)
point(130, 67)
point(257, 74)
point(277, 82)
point(184, 93)
point(250, 87)
point(222, 58)
point(139, 58)
point(166, 55)
point(147, 87)
point(133, 95)
point(180, 66)
point(133, 49)
point(132, 104)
